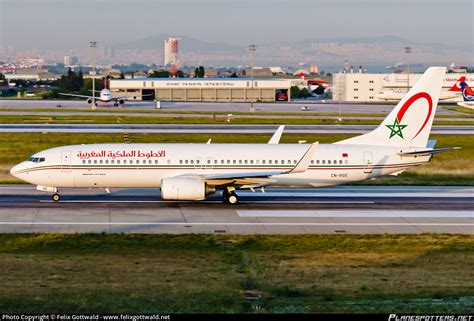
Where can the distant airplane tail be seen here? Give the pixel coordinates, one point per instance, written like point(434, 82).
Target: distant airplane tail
point(409, 123)
point(457, 85)
point(467, 92)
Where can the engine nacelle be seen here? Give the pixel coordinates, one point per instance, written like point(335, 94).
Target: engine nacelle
point(184, 189)
point(121, 101)
point(89, 101)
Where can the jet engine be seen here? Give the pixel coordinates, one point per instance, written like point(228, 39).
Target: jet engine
point(121, 101)
point(184, 189)
point(89, 101)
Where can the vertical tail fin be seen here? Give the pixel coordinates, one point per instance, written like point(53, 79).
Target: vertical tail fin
point(467, 92)
point(409, 123)
point(457, 85)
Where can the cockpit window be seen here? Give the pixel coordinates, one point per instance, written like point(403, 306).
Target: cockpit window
point(36, 159)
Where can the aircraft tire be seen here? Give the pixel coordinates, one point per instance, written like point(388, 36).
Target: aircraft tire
point(232, 199)
point(56, 197)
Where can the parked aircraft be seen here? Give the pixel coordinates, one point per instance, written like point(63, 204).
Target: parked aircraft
point(105, 96)
point(195, 171)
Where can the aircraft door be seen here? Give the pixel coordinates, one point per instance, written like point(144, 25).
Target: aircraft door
point(66, 162)
point(368, 162)
point(209, 163)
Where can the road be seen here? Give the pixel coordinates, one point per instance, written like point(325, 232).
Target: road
point(313, 106)
point(345, 209)
point(211, 129)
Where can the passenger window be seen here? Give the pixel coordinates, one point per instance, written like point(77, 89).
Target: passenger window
point(340, 161)
point(185, 161)
point(240, 161)
point(180, 161)
point(289, 162)
point(137, 161)
point(329, 161)
point(312, 161)
point(324, 161)
point(106, 161)
point(101, 161)
point(95, 161)
point(89, 161)
point(191, 161)
point(228, 161)
point(270, 161)
point(208, 161)
point(263, 161)
point(234, 161)
point(83, 161)
point(112, 161)
point(282, 161)
point(169, 161)
point(246, 162)
point(346, 161)
point(156, 161)
point(251, 161)
point(335, 162)
point(317, 162)
point(215, 161)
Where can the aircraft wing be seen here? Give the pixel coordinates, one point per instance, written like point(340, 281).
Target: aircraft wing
point(74, 95)
point(135, 96)
point(260, 178)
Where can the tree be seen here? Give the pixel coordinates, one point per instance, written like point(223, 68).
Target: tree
point(160, 74)
point(199, 72)
point(2, 76)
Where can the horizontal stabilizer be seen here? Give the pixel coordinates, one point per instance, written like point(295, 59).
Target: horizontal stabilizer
point(427, 152)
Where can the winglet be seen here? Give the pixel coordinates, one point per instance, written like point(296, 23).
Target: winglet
point(304, 162)
point(277, 135)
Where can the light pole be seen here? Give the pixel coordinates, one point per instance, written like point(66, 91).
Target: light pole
point(252, 49)
point(408, 51)
point(93, 45)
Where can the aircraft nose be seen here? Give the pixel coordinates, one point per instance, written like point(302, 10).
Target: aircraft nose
point(16, 169)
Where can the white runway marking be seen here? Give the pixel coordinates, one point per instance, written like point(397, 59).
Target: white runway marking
point(355, 213)
point(213, 202)
point(190, 224)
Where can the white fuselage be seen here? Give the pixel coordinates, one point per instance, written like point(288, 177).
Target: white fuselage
point(105, 96)
point(145, 165)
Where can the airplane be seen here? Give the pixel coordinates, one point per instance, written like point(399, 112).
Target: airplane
point(397, 94)
point(105, 96)
point(467, 95)
point(192, 172)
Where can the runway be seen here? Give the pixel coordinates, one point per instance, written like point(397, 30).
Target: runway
point(323, 106)
point(211, 129)
point(345, 209)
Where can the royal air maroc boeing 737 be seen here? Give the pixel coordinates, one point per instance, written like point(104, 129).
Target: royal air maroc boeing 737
point(195, 171)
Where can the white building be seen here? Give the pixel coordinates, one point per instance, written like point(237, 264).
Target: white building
point(170, 51)
point(363, 87)
point(203, 89)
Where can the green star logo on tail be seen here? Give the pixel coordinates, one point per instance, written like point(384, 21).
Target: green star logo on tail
point(396, 129)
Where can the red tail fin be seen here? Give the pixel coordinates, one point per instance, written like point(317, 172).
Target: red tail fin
point(105, 82)
point(457, 85)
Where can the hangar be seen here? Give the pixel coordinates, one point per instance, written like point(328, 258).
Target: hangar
point(203, 89)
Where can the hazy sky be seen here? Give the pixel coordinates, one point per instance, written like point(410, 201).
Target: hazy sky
point(72, 23)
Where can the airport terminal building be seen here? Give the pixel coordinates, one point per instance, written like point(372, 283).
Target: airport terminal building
point(364, 87)
point(203, 89)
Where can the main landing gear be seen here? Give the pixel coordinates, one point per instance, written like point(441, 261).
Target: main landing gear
point(230, 197)
point(56, 197)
